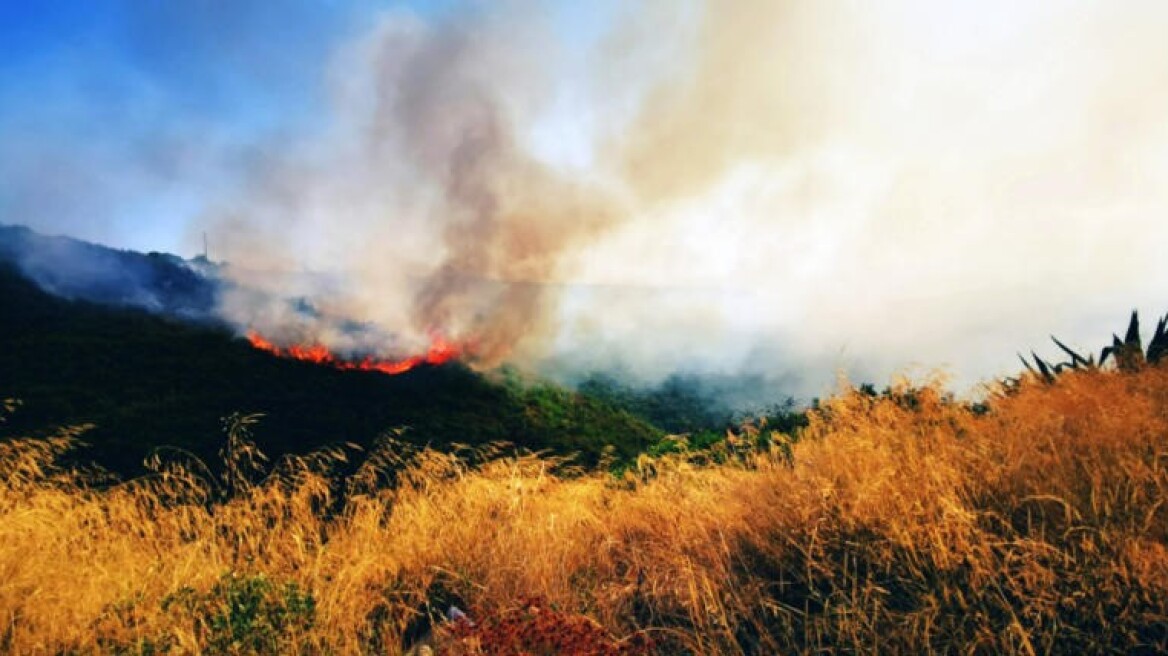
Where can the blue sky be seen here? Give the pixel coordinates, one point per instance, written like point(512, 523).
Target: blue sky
point(121, 120)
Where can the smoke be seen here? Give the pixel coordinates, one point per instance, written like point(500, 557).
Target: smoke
point(72, 269)
point(422, 194)
point(782, 188)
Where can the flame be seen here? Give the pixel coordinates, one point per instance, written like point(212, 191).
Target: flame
point(440, 351)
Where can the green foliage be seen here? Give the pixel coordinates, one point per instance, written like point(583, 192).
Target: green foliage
point(705, 430)
point(145, 382)
point(574, 422)
point(786, 417)
point(679, 404)
point(247, 614)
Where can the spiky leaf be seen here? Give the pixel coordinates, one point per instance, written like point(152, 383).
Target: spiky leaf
point(1132, 338)
point(1076, 359)
point(1043, 367)
point(1129, 353)
point(1026, 363)
point(1159, 344)
point(1115, 349)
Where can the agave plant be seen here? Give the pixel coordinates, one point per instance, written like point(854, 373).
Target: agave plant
point(1128, 353)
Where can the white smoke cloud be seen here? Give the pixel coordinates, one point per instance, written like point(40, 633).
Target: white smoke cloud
point(747, 186)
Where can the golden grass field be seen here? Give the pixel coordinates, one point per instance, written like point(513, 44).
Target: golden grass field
point(904, 523)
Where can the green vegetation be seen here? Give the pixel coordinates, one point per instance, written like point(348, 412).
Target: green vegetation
point(144, 382)
point(898, 522)
point(244, 614)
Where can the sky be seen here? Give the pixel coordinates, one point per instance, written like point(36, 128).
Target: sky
point(122, 119)
point(795, 189)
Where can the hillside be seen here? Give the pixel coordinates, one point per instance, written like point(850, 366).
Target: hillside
point(896, 523)
point(902, 521)
point(160, 283)
point(147, 380)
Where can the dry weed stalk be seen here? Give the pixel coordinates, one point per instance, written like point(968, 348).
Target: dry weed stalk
point(900, 523)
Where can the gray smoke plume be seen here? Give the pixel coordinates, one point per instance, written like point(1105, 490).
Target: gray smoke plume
point(424, 198)
point(751, 186)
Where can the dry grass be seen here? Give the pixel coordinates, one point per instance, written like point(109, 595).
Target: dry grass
point(899, 524)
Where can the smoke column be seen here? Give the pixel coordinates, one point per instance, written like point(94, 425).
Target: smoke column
point(781, 187)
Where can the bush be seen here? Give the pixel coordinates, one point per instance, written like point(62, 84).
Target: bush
point(246, 614)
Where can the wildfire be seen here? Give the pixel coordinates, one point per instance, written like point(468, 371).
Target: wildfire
point(440, 351)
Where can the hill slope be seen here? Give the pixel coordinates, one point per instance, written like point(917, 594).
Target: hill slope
point(147, 380)
point(900, 523)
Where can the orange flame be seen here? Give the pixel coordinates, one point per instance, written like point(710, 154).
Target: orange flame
point(440, 351)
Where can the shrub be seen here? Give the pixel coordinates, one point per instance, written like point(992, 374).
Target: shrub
point(246, 614)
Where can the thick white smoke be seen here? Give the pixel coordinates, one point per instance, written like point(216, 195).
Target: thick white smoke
point(725, 187)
